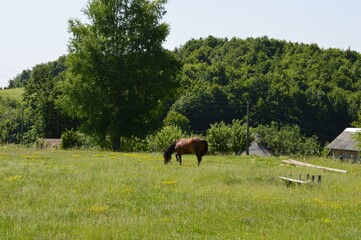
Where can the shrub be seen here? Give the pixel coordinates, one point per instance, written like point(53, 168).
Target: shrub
point(161, 139)
point(71, 139)
point(223, 138)
point(218, 136)
point(133, 144)
point(238, 136)
point(177, 119)
point(287, 140)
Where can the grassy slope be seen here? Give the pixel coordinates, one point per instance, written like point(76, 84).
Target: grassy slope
point(105, 195)
point(13, 93)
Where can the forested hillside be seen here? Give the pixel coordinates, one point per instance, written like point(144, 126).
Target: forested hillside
point(291, 83)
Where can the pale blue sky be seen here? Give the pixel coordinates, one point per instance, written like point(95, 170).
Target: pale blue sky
point(35, 31)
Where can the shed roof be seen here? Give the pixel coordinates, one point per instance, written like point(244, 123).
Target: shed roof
point(257, 149)
point(345, 141)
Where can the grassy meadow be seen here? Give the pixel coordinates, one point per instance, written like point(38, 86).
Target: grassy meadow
point(56, 194)
point(13, 93)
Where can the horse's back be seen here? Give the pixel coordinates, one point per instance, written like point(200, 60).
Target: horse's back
point(191, 145)
point(184, 146)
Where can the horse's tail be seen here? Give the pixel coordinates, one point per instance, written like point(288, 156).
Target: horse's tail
point(205, 149)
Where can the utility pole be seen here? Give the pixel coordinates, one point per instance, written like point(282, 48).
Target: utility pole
point(247, 137)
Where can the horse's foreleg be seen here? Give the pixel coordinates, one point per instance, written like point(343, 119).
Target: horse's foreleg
point(179, 158)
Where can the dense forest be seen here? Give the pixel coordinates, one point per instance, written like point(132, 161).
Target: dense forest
point(317, 89)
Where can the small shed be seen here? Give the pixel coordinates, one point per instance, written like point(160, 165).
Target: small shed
point(49, 143)
point(257, 149)
point(345, 146)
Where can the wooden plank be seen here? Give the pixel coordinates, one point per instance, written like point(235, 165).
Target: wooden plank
point(302, 164)
point(292, 180)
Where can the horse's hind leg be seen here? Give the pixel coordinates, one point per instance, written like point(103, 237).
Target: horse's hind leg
point(199, 160)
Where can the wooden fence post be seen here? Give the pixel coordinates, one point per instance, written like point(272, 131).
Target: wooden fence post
point(319, 179)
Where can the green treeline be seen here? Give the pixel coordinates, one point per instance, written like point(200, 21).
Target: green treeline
point(318, 90)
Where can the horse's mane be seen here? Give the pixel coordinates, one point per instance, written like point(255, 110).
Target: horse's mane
point(170, 149)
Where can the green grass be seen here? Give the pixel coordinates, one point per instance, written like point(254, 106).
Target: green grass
point(13, 93)
point(57, 194)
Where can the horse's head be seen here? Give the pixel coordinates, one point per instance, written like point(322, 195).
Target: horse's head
point(167, 157)
point(168, 153)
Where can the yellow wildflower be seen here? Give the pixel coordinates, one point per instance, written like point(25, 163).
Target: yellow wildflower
point(14, 178)
point(129, 190)
point(169, 182)
point(326, 220)
point(98, 208)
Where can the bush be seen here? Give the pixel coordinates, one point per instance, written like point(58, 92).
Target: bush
point(238, 136)
point(71, 139)
point(287, 140)
point(218, 136)
point(163, 138)
point(133, 144)
point(223, 138)
point(177, 119)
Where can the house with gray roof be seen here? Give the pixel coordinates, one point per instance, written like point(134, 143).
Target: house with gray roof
point(344, 146)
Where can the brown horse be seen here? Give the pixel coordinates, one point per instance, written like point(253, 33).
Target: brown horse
point(192, 145)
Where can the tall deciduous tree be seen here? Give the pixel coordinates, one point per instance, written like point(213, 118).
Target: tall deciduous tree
point(119, 75)
point(10, 121)
point(358, 125)
point(20, 80)
point(43, 117)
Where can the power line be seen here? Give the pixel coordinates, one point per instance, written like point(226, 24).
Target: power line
point(3, 76)
point(311, 128)
point(221, 107)
point(8, 69)
point(304, 122)
point(282, 118)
